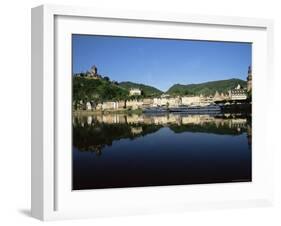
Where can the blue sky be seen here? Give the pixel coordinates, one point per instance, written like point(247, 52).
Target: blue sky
point(160, 62)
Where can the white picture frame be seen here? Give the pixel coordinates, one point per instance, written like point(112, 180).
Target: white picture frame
point(52, 197)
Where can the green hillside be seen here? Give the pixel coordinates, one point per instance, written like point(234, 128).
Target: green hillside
point(206, 88)
point(97, 90)
point(148, 91)
point(100, 90)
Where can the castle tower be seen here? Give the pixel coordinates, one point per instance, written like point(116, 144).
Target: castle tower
point(249, 79)
point(94, 70)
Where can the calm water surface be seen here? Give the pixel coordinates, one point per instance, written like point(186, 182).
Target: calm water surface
point(119, 150)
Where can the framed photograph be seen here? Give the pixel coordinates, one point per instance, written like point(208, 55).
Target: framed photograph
point(138, 112)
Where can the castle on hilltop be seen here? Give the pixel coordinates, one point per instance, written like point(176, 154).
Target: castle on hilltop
point(93, 73)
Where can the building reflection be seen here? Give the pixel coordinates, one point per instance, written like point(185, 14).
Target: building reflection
point(95, 132)
point(232, 121)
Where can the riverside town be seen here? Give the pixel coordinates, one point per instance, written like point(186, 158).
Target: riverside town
point(234, 95)
point(159, 112)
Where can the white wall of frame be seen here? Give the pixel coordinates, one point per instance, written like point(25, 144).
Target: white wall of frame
point(15, 112)
point(170, 198)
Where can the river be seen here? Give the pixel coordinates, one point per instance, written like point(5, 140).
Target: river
point(131, 150)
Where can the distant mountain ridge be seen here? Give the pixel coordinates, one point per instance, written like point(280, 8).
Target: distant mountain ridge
point(206, 88)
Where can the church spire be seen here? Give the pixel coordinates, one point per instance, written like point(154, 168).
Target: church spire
point(249, 79)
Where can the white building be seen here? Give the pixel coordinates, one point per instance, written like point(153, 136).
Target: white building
point(238, 93)
point(164, 101)
point(191, 100)
point(88, 106)
point(135, 92)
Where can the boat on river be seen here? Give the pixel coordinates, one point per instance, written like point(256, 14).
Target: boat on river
point(207, 109)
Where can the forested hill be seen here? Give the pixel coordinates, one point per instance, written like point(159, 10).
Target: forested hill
point(147, 90)
point(206, 88)
point(98, 90)
point(103, 89)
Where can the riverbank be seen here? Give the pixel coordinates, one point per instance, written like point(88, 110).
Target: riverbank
point(238, 108)
point(102, 112)
point(244, 108)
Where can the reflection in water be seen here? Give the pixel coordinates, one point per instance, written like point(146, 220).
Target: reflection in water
point(162, 149)
point(92, 133)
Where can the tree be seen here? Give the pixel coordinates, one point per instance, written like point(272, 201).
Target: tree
point(106, 78)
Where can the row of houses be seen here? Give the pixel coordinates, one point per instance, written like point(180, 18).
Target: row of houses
point(238, 93)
